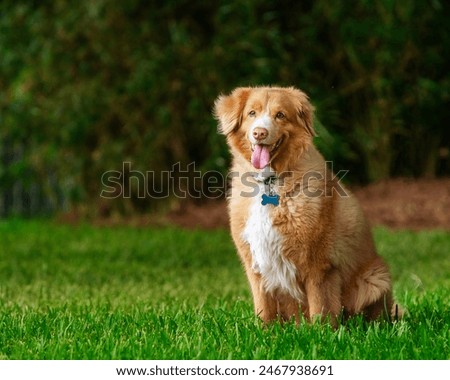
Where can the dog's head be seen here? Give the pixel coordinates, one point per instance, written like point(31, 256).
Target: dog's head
point(266, 125)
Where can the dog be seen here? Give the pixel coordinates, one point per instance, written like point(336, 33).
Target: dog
point(302, 238)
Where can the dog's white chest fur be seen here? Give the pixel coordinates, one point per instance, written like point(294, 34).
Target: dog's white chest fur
point(266, 244)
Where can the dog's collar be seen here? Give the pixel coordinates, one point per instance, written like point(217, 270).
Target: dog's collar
point(264, 179)
point(270, 180)
point(267, 176)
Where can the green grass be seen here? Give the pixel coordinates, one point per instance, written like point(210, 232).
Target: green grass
point(122, 293)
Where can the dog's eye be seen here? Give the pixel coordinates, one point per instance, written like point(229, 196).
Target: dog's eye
point(252, 113)
point(280, 115)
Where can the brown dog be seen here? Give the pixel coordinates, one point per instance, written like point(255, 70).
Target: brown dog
point(302, 238)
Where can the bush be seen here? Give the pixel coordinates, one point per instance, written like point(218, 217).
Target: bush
point(89, 85)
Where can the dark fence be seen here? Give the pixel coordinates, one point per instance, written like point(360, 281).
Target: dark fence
point(21, 192)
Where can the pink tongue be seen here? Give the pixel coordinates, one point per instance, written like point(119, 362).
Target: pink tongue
point(260, 156)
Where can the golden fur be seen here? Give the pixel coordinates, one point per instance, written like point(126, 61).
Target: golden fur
point(325, 236)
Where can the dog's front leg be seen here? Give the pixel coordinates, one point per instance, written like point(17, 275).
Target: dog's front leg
point(324, 297)
point(265, 304)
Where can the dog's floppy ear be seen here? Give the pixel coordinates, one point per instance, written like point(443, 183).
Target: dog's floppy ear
point(228, 109)
point(305, 109)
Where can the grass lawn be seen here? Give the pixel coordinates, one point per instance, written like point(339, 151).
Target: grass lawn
point(123, 293)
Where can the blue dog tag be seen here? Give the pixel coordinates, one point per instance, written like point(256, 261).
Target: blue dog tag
point(270, 199)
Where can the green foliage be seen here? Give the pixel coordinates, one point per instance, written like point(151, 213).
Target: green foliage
point(121, 293)
point(88, 85)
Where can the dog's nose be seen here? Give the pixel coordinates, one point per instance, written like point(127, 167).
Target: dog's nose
point(260, 133)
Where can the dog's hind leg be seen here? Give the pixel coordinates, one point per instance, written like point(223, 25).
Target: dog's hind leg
point(289, 308)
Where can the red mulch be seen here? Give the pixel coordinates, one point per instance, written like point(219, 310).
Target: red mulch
point(399, 203)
